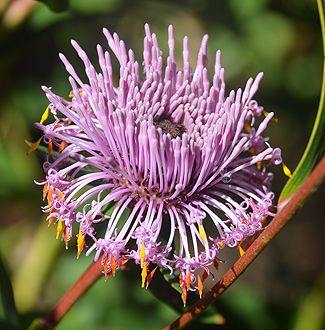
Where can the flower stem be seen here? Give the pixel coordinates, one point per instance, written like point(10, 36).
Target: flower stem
point(281, 219)
point(87, 279)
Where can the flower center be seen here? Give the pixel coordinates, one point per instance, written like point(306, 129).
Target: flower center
point(167, 125)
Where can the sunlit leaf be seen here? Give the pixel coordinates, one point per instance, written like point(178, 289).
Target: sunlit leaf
point(316, 144)
point(56, 5)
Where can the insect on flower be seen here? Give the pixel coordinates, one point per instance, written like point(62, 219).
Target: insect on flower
point(183, 162)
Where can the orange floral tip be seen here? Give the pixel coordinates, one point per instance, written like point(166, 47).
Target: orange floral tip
point(45, 190)
point(59, 229)
point(51, 221)
point(59, 193)
point(105, 265)
point(247, 127)
point(241, 250)
point(49, 148)
point(113, 265)
point(263, 220)
point(188, 280)
point(204, 276)
point(62, 146)
point(181, 282)
point(80, 243)
point(286, 170)
point(45, 115)
point(184, 296)
point(66, 237)
point(144, 275)
point(123, 262)
point(49, 196)
point(33, 146)
point(199, 286)
point(150, 276)
point(142, 254)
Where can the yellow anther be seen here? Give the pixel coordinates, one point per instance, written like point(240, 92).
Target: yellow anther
point(274, 119)
point(286, 170)
point(199, 285)
point(142, 255)
point(71, 95)
point(144, 275)
point(247, 127)
point(259, 165)
point(45, 115)
point(80, 242)
point(59, 228)
point(220, 244)
point(241, 250)
point(33, 146)
point(202, 233)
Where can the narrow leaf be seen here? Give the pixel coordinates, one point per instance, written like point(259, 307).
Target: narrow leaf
point(316, 144)
point(7, 297)
point(56, 5)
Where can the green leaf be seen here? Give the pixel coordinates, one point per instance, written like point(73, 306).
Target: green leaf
point(316, 144)
point(56, 5)
point(7, 298)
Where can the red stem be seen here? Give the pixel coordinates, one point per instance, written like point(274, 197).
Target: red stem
point(283, 216)
point(87, 279)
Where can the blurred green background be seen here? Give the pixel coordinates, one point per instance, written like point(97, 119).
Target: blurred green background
point(285, 287)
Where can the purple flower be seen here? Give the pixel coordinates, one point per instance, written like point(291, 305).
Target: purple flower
point(184, 164)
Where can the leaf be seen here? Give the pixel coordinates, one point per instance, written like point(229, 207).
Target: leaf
point(7, 298)
point(316, 144)
point(165, 287)
point(56, 5)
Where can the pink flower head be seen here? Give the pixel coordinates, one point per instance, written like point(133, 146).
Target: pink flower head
point(183, 162)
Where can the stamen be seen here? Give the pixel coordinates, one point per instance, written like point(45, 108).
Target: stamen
point(144, 275)
point(45, 115)
point(241, 250)
point(80, 242)
point(142, 255)
point(286, 170)
point(59, 228)
point(202, 233)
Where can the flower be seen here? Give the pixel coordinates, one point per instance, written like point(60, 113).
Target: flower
point(184, 164)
